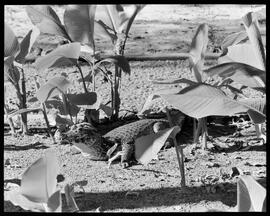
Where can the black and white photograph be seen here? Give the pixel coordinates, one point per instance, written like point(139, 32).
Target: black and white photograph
point(133, 108)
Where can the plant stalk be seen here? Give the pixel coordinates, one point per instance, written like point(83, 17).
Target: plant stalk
point(45, 114)
point(180, 157)
point(198, 130)
point(119, 48)
point(47, 123)
point(10, 121)
point(23, 104)
point(84, 85)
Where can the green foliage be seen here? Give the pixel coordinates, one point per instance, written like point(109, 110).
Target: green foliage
point(12, 46)
point(240, 73)
point(53, 87)
point(15, 54)
point(38, 190)
point(147, 147)
point(79, 22)
point(202, 100)
point(45, 18)
point(251, 196)
point(79, 26)
point(65, 54)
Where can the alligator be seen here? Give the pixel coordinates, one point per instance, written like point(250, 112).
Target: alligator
point(119, 142)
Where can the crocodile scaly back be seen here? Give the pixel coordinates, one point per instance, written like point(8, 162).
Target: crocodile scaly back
point(129, 132)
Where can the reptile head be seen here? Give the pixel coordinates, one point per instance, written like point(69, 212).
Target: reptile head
point(158, 126)
point(80, 133)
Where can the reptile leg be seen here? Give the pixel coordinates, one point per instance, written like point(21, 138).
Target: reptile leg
point(118, 154)
point(128, 149)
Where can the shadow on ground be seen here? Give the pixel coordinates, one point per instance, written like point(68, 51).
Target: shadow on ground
point(147, 198)
point(36, 145)
point(159, 197)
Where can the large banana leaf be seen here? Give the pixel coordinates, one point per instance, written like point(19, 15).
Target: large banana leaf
point(152, 99)
point(54, 84)
point(147, 147)
point(202, 100)
point(129, 17)
point(242, 53)
point(79, 23)
point(45, 18)
point(110, 15)
point(112, 20)
point(27, 43)
point(11, 42)
point(251, 196)
point(65, 54)
point(11, 73)
point(38, 186)
point(118, 60)
point(101, 30)
point(197, 50)
point(235, 38)
point(173, 81)
point(91, 100)
point(256, 103)
point(240, 73)
point(252, 28)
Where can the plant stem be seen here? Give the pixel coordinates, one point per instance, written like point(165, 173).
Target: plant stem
point(93, 73)
point(66, 105)
point(194, 129)
point(45, 114)
point(198, 130)
point(10, 121)
point(84, 85)
point(119, 48)
point(47, 123)
point(23, 105)
point(180, 157)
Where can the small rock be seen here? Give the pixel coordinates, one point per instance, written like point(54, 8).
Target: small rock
point(235, 172)
point(246, 148)
point(228, 162)
point(248, 164)
point(210, 165)
point(98, 209)
point(213, 189)
point(7, 162)
point(60, 178)
point(238, 157)
point(208, 189)
point(132, 194)
point(187, 159)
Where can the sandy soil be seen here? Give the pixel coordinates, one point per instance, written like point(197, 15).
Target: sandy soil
point(167, 29)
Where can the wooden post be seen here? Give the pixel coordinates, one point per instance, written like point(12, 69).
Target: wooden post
point(180, 157)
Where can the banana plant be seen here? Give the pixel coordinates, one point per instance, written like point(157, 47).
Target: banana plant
point(112, 22)
point(14, 59)
point(244, 61)
point(79, 26)
point(202, 98)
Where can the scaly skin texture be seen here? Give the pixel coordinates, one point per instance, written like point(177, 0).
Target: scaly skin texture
point(120, 140)
point(100, 145)
point(127, 134)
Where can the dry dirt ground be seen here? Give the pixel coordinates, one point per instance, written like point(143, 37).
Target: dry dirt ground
point(162, 29)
